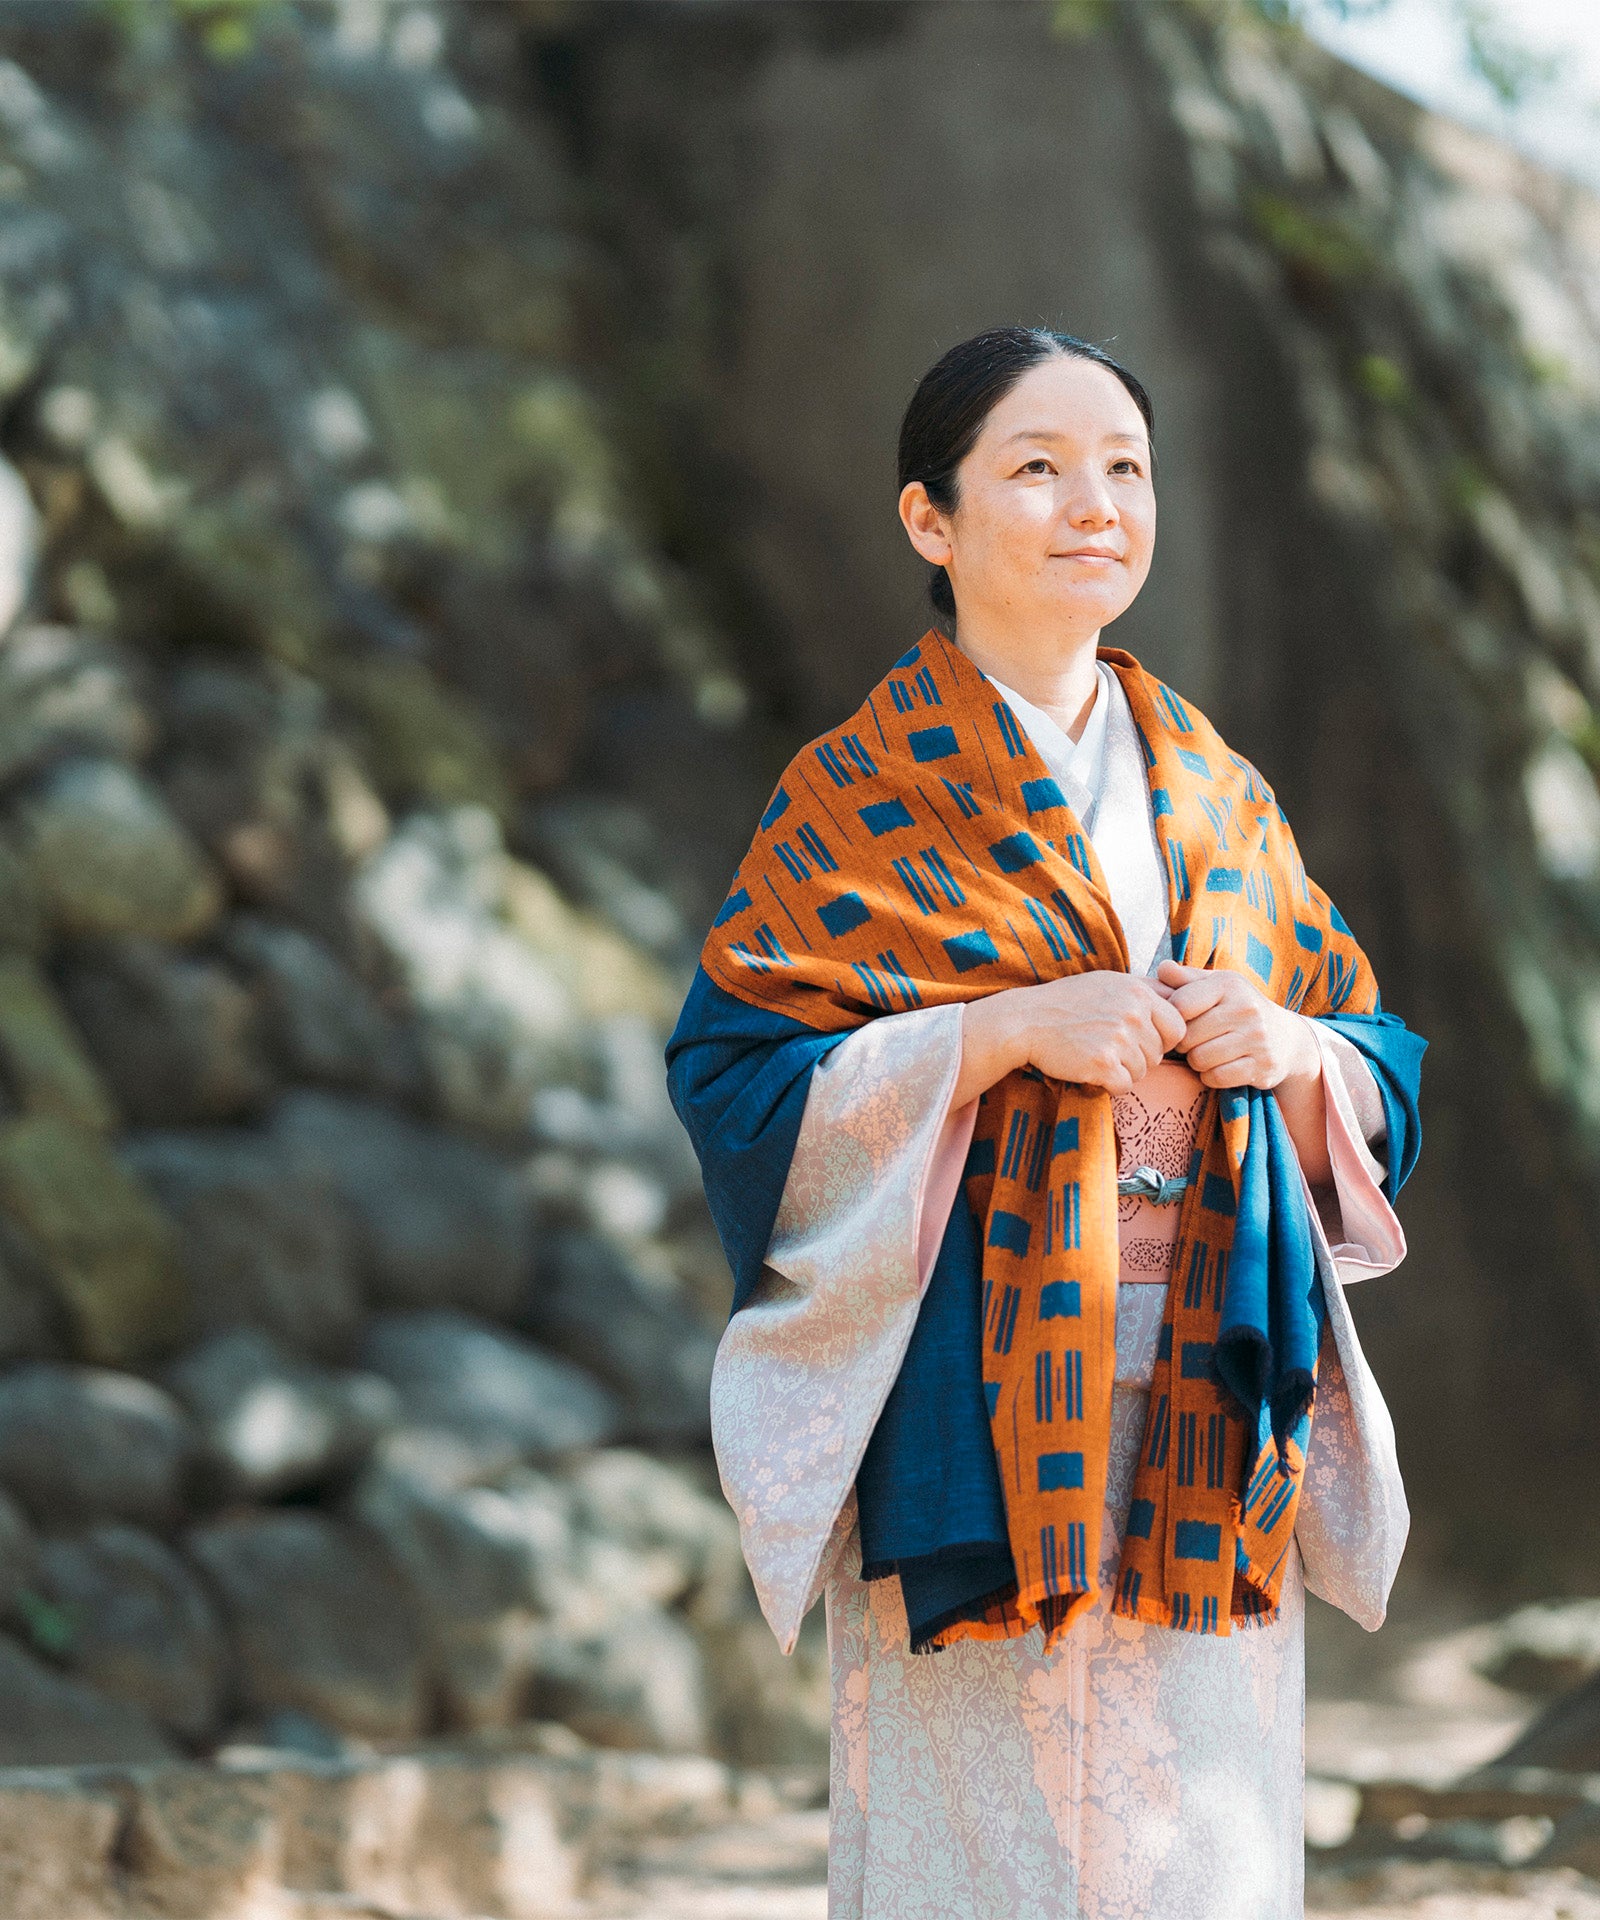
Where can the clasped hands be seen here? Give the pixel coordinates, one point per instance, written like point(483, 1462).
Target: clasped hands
point(1107, 1029)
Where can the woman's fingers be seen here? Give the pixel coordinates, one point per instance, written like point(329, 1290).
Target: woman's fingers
point(1170, 1024)
point(1219, 1051)
point(1117, 1078)
point(1208, 1026)
point(1223, 1023)
point(1234, 1073)
point(1195, 997)
point(1173, 973)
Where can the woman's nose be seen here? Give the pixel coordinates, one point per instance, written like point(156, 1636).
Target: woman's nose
point(1092, 507)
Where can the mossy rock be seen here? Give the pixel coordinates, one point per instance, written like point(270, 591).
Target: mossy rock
point(251, 582)
point(22, 927)
point(108, 1251)
point(44, 1062)
point(421, 742)
point(108, 856)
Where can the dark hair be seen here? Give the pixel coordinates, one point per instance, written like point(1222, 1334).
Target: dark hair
point(954, 398)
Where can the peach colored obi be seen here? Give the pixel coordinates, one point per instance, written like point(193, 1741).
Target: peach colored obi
point(1155, 1128)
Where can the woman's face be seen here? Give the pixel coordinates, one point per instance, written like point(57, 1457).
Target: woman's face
point(1056, 515)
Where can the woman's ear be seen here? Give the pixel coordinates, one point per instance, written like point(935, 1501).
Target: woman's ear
point(926, 527)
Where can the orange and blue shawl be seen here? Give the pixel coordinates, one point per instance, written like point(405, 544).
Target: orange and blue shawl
point(922, 854)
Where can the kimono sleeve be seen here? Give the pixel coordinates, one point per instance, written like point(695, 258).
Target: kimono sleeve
point(803, 1369)
point(1354, 1519)
point(1370, 1067)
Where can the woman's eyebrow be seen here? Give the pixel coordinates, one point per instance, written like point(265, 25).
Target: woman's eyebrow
point(1045, 433)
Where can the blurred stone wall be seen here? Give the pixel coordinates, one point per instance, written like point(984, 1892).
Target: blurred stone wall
point(357, 1296)
point(1373, 341)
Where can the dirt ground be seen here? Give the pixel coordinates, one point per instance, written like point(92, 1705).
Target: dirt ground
point(1404, 1705)
point(776, 1869)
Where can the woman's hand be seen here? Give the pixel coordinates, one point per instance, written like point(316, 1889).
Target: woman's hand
point(1100, 1029)
point(1234, 1036)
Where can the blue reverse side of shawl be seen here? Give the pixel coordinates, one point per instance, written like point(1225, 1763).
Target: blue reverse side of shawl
point(1394, 1053)
point(737, 1076)
point(1272, 1304)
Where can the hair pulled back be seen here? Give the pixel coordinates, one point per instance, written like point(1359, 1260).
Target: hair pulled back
point(954, 398)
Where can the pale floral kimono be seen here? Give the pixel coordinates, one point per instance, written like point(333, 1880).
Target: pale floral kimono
point(1137, 1773)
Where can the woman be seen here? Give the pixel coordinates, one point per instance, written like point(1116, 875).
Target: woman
point(1044, 1105)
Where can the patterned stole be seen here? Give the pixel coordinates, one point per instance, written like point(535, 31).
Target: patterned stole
point(922, 855)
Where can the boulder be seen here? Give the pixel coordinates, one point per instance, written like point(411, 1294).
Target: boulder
point(138, 1626)
point(22, 927)
point(500, 1397)
point(33, 1321)
point(263, 1240)
point(683, 1538)
point(469, 1572)
point(577, 1581)
point(629, 1046)
point(19, 537)
point(1564, 1735)
point(106, 1250)
point(422, 741)
point(440, 1222)
point(247, 765)
point(290, 1732)
point(1544, 1649)
point(599, 848)
point(50, 1719)
point(638, 1680)
point(83, 1444)
point(604, 973)
point(19, 1554)
point(62, 690)
point(108, 856)
point(46, 1069)
point(627, 1124)
point(233, 745)
point(322, 1022)
point(177, 1037)
point(498, 1023)
point(768, 1708)
point(621, 1201)
point(571, 1578)
point(603, 1307)
point(319, 1620)
point(268, 1423)
point(649, 1531)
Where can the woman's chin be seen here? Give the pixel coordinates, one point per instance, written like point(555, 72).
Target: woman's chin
point(1085, 606)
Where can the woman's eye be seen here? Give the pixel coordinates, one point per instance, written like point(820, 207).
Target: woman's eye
point(1040, 464)
point(1129, 462)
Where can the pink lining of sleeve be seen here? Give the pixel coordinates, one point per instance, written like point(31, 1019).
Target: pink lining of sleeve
point(1371, 1240)
point(941, 1182)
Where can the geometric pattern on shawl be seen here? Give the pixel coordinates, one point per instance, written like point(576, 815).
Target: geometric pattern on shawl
point(922, 854)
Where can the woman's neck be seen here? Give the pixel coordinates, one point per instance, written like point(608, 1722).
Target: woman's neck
point(1055, 675)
